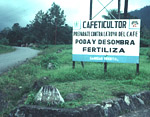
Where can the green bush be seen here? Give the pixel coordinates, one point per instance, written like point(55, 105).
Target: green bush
point(148, 53)
point(144, 42)
point(50, 58)
point(30, 99)
point(4, 41)
point(29, 39)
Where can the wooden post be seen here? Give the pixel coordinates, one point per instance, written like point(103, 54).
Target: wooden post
point(91, 2)
point(125, 16)
point(126, 9)
point(105, 67)
point(82, 64)
point(137, 68)
point(73, 64)
point(119, 9)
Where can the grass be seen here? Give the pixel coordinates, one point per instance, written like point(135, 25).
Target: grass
point(91, 82)
point(6, 49)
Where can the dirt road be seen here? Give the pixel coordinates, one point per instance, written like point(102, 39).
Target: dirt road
point(9, 60)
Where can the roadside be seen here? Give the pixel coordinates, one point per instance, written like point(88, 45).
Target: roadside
point(22, 83)
point(9, 60)
point(6, 49)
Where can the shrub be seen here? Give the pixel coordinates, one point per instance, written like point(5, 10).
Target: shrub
point(144, 42)
point(46, 59)
point(4, 41)
point(148, 53)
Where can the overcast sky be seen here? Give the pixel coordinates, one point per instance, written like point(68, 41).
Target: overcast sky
point(23, 11)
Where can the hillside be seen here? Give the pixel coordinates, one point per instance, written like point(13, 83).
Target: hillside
point(144, 15)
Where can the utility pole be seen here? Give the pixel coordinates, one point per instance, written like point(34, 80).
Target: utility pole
point(119, 9)
point(126, 9)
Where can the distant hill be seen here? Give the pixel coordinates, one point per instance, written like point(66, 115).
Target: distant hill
point(144, 15)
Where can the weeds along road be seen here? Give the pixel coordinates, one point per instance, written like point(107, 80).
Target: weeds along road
point(9, 60)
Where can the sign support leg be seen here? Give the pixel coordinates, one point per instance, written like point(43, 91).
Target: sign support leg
point(126, 9)
point(82, 64)
point(137, 69)
point(73, 64)
point(105, 67)
point(119, 9)
point(91, 2)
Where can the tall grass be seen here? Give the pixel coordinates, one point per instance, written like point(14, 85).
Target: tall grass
point(90, 81)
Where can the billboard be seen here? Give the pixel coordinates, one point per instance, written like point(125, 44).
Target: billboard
point(112, 41)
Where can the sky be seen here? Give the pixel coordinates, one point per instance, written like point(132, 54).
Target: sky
point(23, 11)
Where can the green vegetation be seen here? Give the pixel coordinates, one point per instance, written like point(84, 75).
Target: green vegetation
point(91, 81)
point(5, 49)
point(142, 14)
point(46, 28)
point(144, 42)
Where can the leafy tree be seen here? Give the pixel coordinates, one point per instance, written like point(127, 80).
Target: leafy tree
point(5, 32)
point(39, 17)
point(3, 36)
point(37, 27)
point(57, 19)
point(4, 41)
point(15, 36)
point(16, 27)
point(109, 15)
point(46, 28)
point(65, 35)
point(114, 12)
point(57, 15)
point(29, 39)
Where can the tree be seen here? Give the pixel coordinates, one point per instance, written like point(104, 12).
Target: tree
point(46, 28)
point(29, 39)
point(16, 27)
point(65, 35)
point(15, 35)
point(39, 17)
point(3, 36)
point(57, 19)
point(5, 32)
point(37, 28)
point(114, 13)
point(56, 15)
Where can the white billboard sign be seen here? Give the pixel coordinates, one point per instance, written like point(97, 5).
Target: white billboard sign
point(115, 41)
